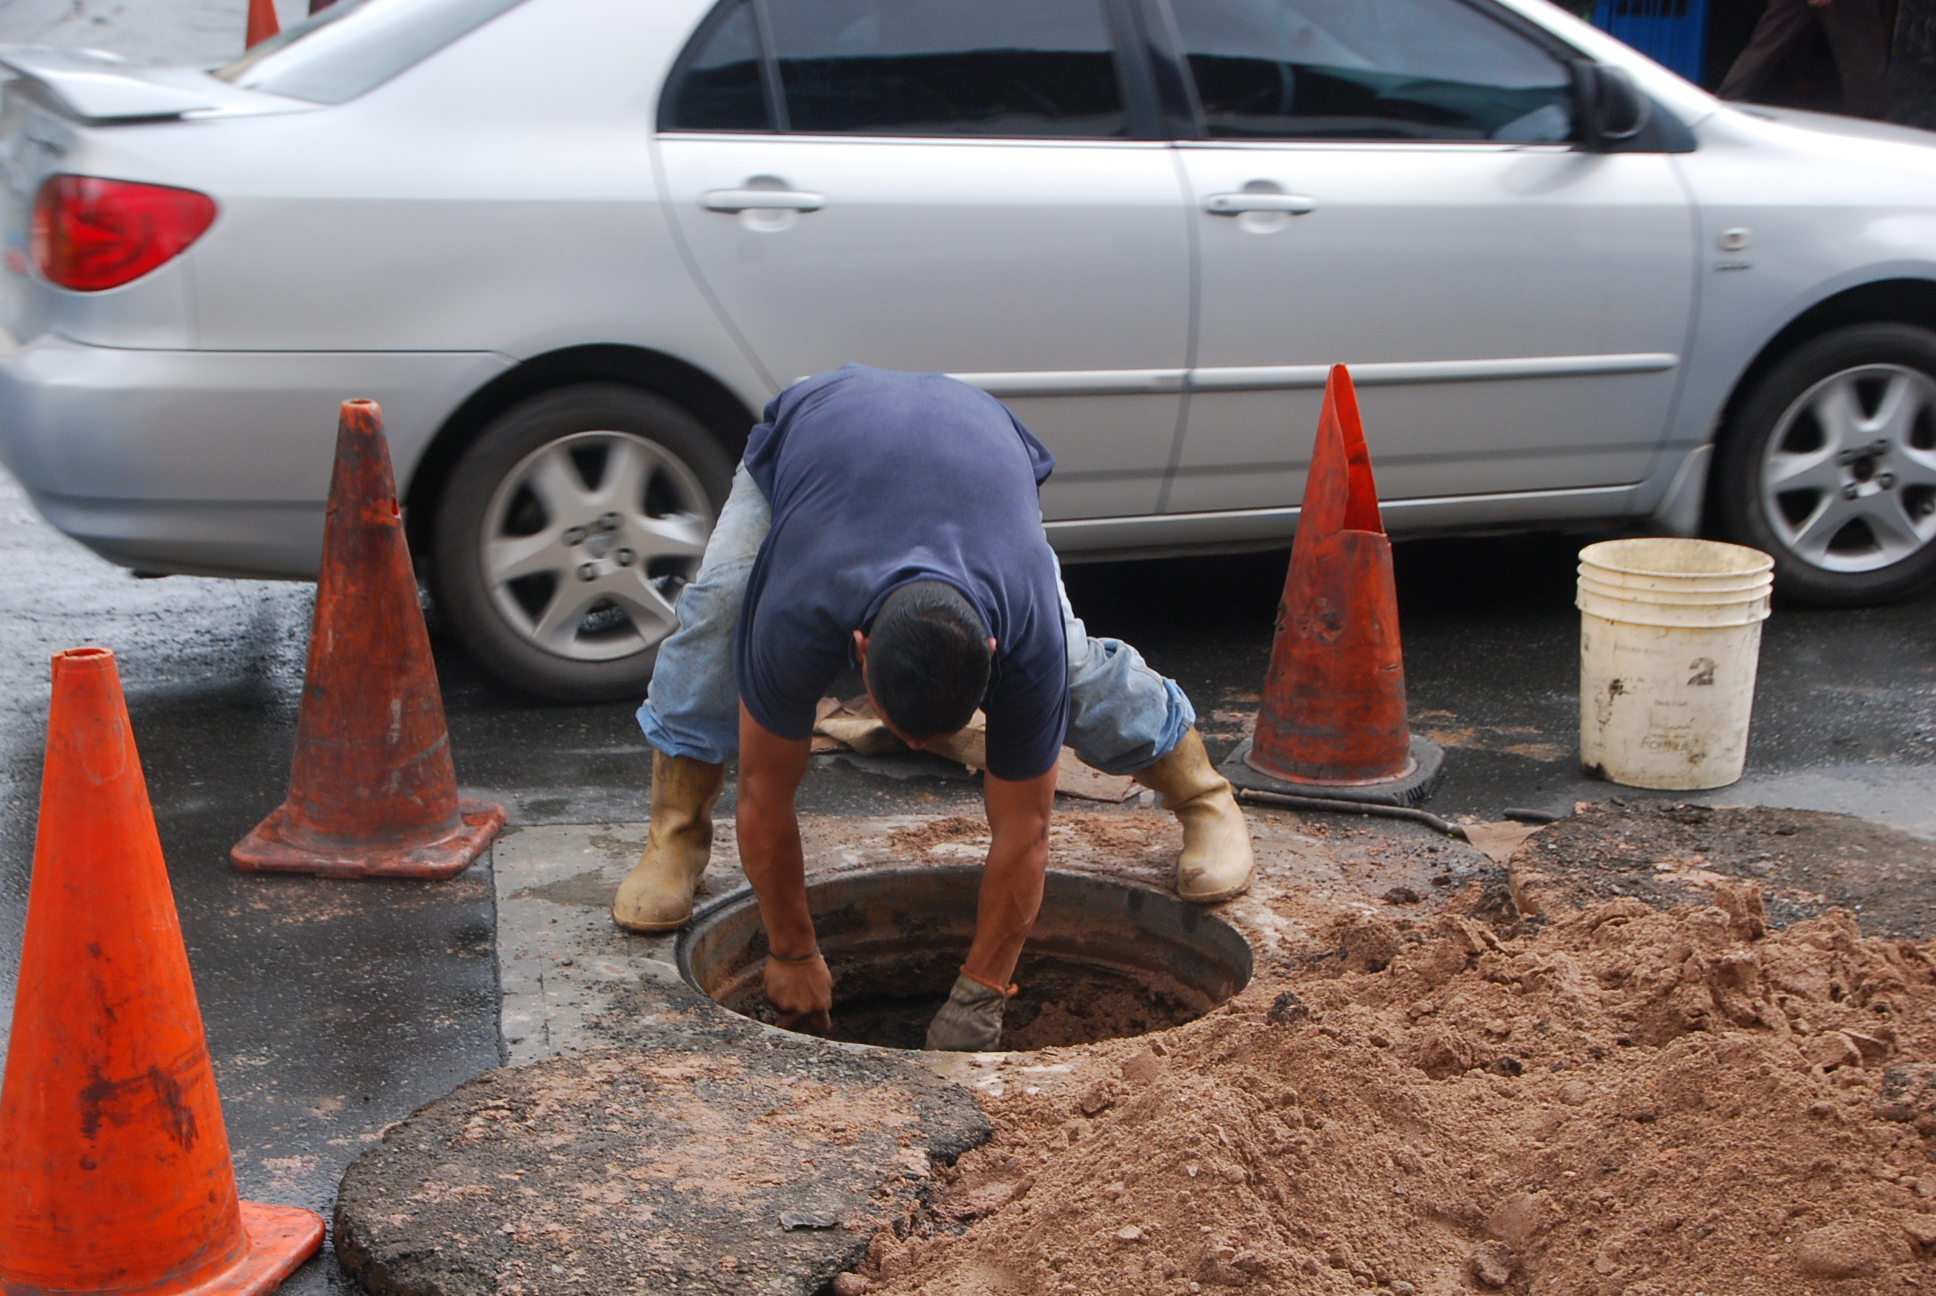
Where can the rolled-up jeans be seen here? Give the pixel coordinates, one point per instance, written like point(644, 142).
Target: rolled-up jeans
point(1123, 716)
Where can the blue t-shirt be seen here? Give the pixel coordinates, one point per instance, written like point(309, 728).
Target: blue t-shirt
point(878, 479)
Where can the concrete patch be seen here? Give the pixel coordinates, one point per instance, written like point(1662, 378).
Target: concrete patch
point(561, 959)
point(572, 980)
point(727, 1160)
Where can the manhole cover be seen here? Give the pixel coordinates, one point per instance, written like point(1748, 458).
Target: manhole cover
point(723, 1160)
point(1106, 959)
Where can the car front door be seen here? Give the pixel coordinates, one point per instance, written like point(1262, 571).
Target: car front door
point(1394, 184)
point(948, 186)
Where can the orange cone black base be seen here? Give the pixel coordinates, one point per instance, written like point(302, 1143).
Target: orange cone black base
point(1334, 722)
point(114, 1163)
point(372, 792)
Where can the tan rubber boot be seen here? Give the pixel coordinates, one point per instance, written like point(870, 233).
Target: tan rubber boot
point(1216, 860)
point(656, 896)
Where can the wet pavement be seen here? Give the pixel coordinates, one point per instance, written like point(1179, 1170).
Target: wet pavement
point(331, 1010)
point(334, 1008)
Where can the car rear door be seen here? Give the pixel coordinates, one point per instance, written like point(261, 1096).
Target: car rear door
point(1392, 184)
point(950, 186)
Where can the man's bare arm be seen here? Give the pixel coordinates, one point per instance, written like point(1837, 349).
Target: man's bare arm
point(770, 769)
point(1011, 885)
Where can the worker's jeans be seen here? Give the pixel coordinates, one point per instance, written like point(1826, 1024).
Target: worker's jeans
point(1123, 716)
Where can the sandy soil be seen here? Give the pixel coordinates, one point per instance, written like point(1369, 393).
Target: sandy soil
point(1649, 1093)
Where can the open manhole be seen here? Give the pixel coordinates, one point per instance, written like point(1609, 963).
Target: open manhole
point(1106, 959)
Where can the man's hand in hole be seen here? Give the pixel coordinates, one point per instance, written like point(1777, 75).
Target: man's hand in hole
point(798, 985)
point(802, 994)
point(1011, 896)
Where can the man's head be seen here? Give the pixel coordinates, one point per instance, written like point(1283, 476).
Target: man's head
point(925, 660)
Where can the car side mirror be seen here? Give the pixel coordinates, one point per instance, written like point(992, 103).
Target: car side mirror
point(1612, 108)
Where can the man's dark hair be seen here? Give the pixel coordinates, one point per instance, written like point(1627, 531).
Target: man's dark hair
point(927, 659)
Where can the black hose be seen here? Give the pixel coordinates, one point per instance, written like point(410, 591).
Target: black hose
point(1523, 815)
point(1285, 801)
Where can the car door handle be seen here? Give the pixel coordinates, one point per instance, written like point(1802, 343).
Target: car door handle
point(739, 200)
point(1236, 204)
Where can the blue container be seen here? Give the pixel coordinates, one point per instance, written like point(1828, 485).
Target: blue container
point(1672, 33)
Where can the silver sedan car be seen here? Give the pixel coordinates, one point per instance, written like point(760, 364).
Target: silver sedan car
point(573, 246)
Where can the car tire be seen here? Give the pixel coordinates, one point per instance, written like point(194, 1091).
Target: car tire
point(565, 533)
point(1830, 467)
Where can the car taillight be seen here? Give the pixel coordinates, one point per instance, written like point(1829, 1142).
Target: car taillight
point(91, 234)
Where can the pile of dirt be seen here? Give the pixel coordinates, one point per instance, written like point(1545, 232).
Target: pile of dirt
point(1614, 1099)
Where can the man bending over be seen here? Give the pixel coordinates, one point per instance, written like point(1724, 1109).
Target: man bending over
point(891, 521)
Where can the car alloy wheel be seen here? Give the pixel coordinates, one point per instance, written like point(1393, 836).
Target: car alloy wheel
point(1830, 466)
point(566, 531)
point(1848, 477)
point(588, 540)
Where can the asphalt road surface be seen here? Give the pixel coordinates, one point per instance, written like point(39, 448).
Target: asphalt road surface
point(334, 1008)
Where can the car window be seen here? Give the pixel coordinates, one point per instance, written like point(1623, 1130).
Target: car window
point(719, 85)
point(1003, 68)
point(1370, 70)
point(355, 46)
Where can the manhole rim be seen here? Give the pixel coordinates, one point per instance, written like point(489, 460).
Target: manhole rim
point(704, 913)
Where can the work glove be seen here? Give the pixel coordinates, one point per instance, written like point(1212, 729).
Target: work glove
point(971, 1020)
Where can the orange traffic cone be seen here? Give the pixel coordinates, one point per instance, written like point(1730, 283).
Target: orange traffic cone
point(372, 792)
point(114, 1162)
point(1333, 723)
point(262, 23)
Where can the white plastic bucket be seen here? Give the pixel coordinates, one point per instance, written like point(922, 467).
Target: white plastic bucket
point(1670, 634)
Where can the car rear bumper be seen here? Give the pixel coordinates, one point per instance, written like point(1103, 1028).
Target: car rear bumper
point(210, 462)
